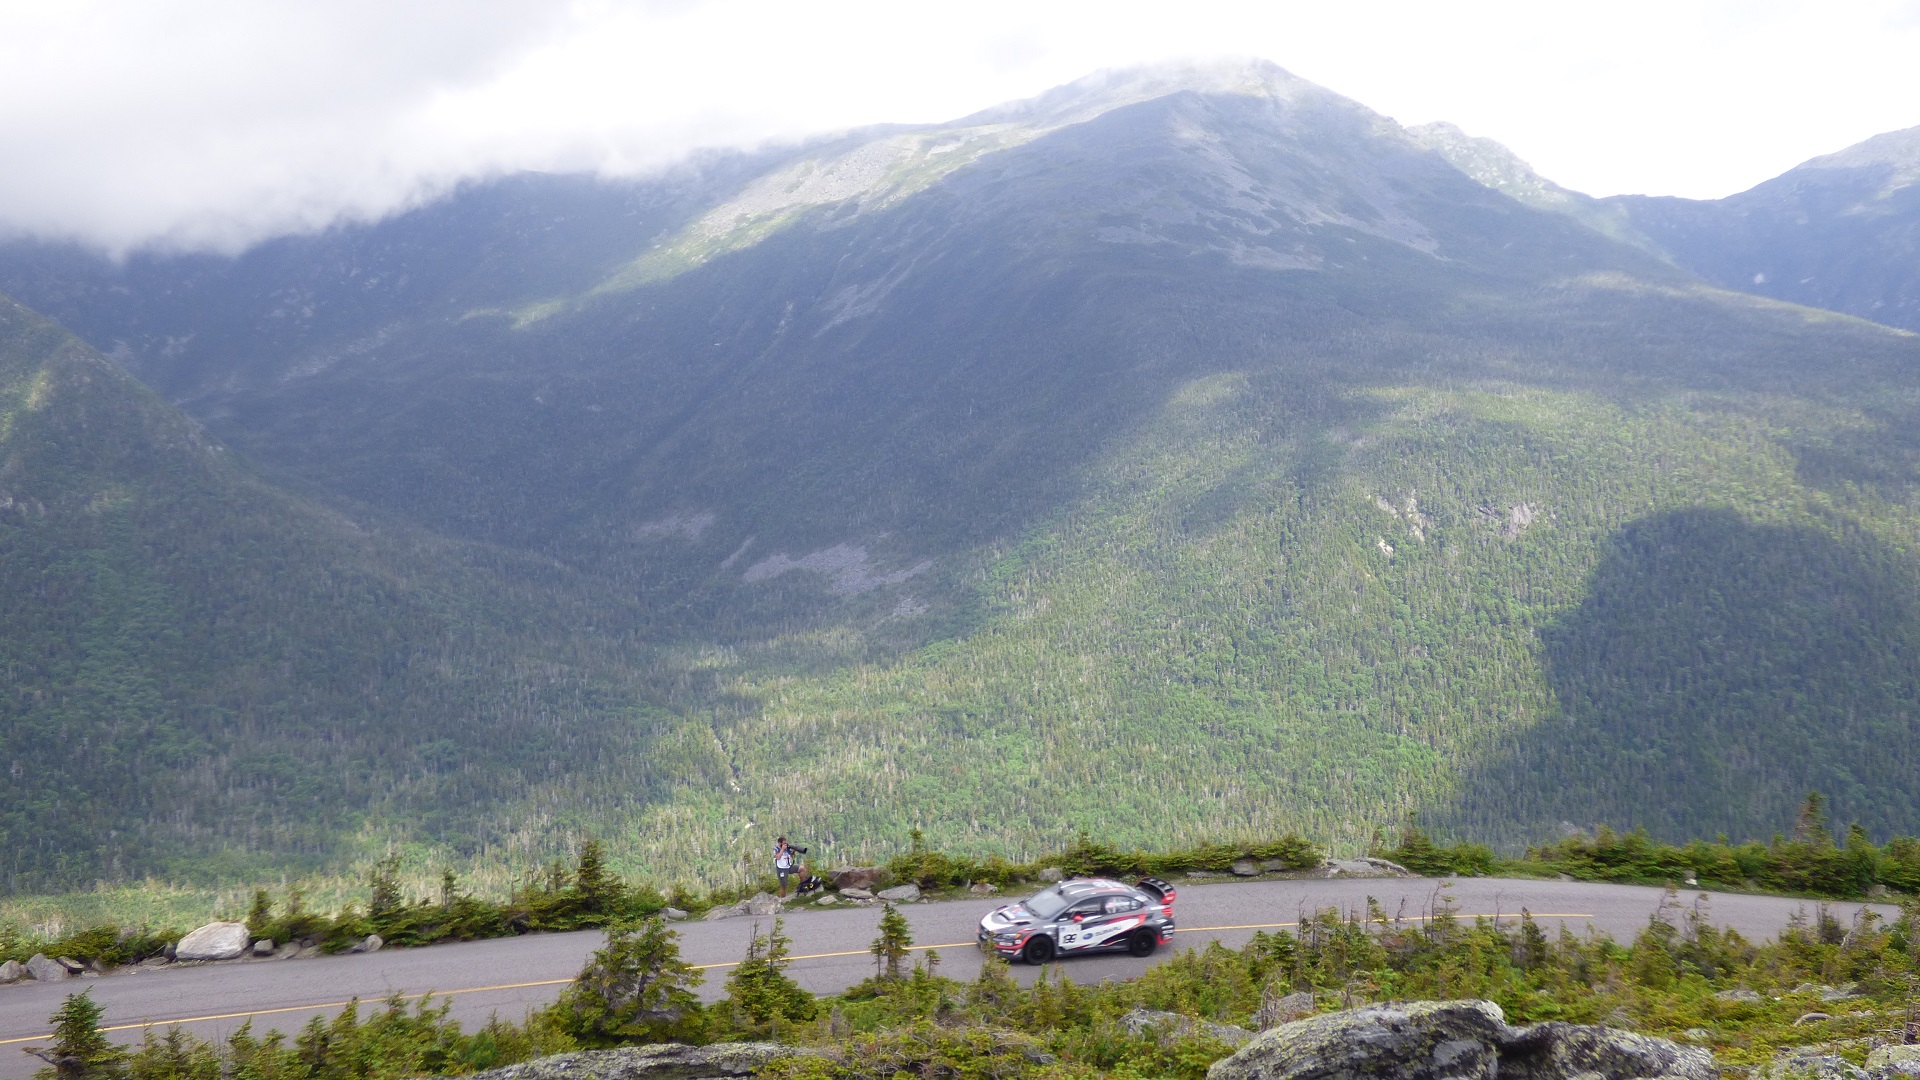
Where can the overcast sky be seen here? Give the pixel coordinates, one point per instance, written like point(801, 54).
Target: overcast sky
point(201, 123)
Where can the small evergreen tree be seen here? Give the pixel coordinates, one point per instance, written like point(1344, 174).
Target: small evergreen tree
point(637, 989)
point(260, 916)
point(597, 891)
point(80, 1050)
point(383, 883)
point(760, 993)
point(891, 947)
point(1810, 827)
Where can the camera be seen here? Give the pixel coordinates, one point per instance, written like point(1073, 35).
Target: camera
point(797, 848)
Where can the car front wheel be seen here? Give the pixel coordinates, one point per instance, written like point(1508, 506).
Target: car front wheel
point(1039, 950)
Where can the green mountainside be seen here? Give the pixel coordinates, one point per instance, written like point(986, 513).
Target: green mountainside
point(1840, 232)
point(1180, 455)
point(205, 676)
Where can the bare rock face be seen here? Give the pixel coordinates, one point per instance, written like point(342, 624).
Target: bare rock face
point(1455, 1040)
point(214, 941)
point(661, 1061)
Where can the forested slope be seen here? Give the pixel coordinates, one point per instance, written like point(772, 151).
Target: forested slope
point(1175, 456)
point(205, 676)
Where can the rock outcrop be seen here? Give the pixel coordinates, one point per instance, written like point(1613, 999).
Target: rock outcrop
point(662, 1061)
point(44, 969)
point(1174, 1025)
point(1894, 1062)
point(900, 894)
point(1811, 1063)
point(214, 941)
point(1455, 1040)
point(857, 877)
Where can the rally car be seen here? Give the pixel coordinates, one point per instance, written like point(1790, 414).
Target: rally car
point(1082, 915)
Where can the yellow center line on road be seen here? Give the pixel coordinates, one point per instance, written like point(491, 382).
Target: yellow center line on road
point(699, 967)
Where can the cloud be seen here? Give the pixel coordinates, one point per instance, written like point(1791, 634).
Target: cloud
point(196, 124)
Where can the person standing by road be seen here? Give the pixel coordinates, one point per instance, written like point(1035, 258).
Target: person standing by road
point(786, 862)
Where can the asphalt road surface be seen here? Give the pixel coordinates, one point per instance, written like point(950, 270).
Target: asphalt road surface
point(510, 976)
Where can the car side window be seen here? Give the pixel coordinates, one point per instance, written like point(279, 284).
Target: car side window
point(1087, 910)
point(1122, 903)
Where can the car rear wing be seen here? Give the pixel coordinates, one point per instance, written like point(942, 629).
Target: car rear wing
point(1159, 889)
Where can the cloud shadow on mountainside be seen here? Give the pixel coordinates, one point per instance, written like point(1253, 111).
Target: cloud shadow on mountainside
point(1717, 670)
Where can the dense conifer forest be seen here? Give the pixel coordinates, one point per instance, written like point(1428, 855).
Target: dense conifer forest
point(1054, 471)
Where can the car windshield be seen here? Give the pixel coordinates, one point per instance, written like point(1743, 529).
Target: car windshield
point(1047, 904)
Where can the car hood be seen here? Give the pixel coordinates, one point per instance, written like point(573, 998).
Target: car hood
point(1008, 915)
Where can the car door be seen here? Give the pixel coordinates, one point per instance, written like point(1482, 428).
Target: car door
point(1119, 916)
point(1080, 925)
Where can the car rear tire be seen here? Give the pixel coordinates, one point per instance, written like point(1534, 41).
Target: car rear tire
point(1143, 942)
point(1039, 950)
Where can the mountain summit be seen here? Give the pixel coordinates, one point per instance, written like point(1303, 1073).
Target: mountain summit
point(1181, 453)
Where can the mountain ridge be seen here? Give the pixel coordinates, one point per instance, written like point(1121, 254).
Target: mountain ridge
point(1222, 463)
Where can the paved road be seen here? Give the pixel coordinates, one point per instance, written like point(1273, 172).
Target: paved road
point(512, 975)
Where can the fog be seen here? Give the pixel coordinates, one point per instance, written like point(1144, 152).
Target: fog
point(193, 124)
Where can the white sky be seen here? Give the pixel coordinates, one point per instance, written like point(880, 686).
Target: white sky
point(203, 123)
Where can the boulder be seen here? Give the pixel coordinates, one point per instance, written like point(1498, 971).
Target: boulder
point(827, 898)
point(661, 1061)
point(672, 914)
point(1894, 1062)
point(1455, 1040)
point(1809, 1063)
point(726, 911)
point(857, 894)
point(1172, 1025)
point(72, 965)
point(856, 877)
point(45, 970)
point(983, 888)
point(900, 894)
point(214, 941)
point(763, 904)
point(1245, 868)
point(1741, 994)
point(370, 943)
point(1053, 873)
point(263, 947)
point(12, 972)
point(1811, 1018)
point(1275, 1011)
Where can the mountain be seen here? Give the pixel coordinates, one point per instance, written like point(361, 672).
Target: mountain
point(1839, 232)
point(1182, 453)
point(207, 676)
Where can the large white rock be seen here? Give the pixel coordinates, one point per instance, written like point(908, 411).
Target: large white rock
point(214, 941)
point(13, 971)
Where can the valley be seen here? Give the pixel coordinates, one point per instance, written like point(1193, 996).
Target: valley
point(1180, 455)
